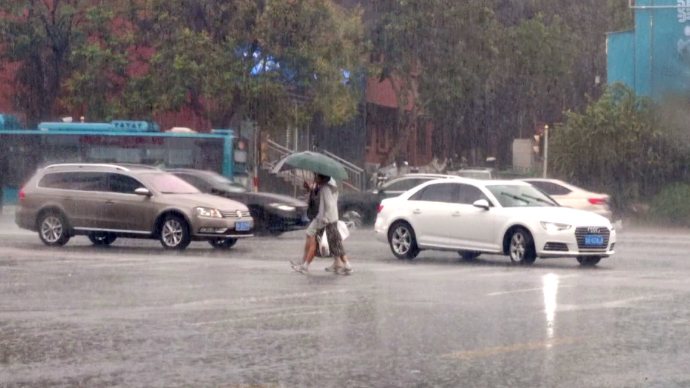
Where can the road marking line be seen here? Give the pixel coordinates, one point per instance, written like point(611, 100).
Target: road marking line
point(620, 303)
point(255, 299)
point(267, 317)
point(500, 350)
point(524, 290)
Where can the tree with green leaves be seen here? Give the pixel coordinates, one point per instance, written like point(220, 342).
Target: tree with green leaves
point(620, 144)
point(273, 62)
point(40, 36)
point(434, 53)
point(101, 85)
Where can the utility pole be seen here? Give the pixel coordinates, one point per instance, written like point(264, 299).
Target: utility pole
point(257, 158)
point(546, 150)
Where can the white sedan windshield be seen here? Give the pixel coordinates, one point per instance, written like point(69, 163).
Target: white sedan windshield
point(520, 196)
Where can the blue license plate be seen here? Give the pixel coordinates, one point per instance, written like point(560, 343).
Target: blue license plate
point(242, 226)
point(594, 240)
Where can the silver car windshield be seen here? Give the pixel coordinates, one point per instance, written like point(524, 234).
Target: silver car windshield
point(520, 196)
point(169, 184)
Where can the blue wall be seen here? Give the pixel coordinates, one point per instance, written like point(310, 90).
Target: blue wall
point(620, 53)
point(654, 58)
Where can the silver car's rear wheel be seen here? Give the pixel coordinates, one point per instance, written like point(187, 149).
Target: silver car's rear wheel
point(52, 229)
point(174, 233)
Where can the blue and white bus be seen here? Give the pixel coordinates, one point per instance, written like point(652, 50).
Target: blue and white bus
point(140, 142)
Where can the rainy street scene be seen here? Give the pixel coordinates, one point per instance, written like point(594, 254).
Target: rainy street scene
point(344, 193)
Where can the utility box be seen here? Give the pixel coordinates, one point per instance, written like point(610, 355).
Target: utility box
point(523, 154)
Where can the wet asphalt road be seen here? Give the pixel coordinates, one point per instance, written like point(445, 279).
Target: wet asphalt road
point(134, 315)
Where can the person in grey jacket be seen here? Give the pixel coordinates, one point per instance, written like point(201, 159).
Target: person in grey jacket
point(325, 221)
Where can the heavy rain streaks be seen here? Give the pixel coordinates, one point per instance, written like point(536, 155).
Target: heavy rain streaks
point(344, 193)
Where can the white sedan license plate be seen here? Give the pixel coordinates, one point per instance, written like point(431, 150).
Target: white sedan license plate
point(242, 226)
point(594, 240)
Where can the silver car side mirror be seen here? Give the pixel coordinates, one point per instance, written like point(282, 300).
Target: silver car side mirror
point(143, 191)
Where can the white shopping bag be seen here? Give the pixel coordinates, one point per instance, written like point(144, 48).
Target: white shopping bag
point(324, 250)
point(344, 231)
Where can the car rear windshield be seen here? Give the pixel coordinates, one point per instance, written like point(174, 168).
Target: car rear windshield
point(520, 196)
point(169, 184)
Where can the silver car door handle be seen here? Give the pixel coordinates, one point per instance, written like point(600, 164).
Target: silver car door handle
point(109, 202)
point(417, 211)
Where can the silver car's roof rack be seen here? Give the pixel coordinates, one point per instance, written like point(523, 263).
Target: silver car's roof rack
point(86, 165)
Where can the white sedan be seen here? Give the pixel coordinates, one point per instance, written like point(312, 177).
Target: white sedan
point(572, 196)
point(496, 217)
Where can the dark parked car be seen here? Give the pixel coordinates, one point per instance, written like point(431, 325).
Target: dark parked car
point(273, 213)
point(361, 208)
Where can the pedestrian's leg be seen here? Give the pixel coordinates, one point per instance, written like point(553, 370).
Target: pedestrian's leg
point(307, 246)
point(346, 267)
point(337, 265)
point(311, 251)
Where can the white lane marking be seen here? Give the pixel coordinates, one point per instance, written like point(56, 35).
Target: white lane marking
point(524, 290)
point(503, 350)
point(254, 299)
point(605, 305)
point(271, 316)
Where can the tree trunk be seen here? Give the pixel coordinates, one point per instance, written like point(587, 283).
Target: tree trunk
point(404, 132)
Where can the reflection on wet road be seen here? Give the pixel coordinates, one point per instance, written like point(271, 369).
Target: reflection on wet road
point(137, 316)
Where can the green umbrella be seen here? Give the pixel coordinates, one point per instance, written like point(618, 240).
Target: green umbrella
point(312, 161)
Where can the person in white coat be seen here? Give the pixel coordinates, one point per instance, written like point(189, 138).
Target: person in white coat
point(325, 221)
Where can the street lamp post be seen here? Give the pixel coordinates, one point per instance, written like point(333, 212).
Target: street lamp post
point(546, 150)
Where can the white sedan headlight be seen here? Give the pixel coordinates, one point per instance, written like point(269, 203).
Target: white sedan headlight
point(280, 206)
point(208, 212)
point(554, 227)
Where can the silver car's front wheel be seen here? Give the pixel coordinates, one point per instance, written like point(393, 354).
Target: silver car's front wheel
point(403, 241)
point(174, 233)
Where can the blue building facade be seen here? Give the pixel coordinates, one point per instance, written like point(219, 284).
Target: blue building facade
point(654, 57)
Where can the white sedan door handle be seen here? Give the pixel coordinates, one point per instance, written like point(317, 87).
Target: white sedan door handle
point(417, 211)
point(456, 214)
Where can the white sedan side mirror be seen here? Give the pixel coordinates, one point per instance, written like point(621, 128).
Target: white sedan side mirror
point(482, 204)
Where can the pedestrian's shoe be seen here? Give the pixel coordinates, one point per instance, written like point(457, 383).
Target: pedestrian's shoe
point(333, 268)
point(345, 270)
point(299, 268)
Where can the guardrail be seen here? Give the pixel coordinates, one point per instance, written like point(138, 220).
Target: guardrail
point(355, 175)
point(276, 152)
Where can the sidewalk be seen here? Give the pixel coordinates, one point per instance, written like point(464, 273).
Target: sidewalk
point(9, 210)
point(7, 225)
